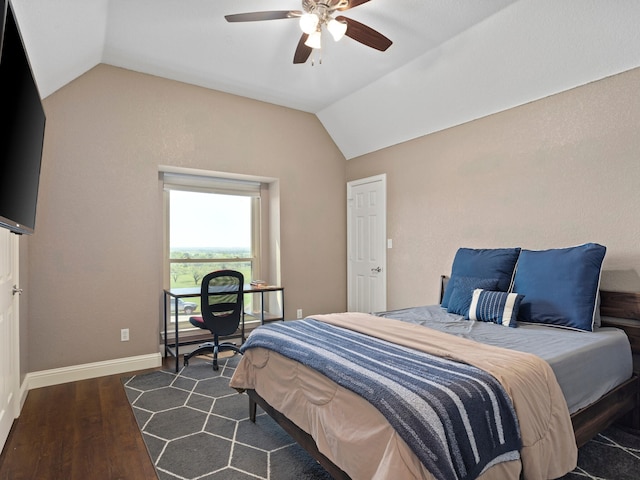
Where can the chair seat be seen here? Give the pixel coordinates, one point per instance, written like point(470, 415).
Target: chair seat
point(197, 322)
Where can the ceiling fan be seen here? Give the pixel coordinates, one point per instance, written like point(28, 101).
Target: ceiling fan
point(315, 15)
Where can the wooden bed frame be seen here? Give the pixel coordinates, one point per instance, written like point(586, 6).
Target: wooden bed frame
point(622, 404)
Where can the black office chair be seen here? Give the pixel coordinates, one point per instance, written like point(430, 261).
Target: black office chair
point(221, 295)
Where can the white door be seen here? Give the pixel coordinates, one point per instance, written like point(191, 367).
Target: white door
point(9, 367)
point(366, 244)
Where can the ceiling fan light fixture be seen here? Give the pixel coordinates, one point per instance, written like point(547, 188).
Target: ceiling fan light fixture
point(314, 40)
point(309, 23)
point(337, 29)
point(315, 16)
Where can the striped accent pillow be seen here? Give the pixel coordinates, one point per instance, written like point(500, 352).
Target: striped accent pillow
point(497, 307)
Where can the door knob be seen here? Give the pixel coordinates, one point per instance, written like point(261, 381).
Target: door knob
point(376, 270)
point(15, 290)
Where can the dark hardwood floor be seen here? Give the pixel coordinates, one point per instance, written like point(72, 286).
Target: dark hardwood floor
point(81, 430)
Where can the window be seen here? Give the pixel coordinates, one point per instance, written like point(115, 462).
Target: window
point(211, 224)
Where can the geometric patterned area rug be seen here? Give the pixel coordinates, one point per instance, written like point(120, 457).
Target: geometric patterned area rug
point(612, 455)
point(196, 427)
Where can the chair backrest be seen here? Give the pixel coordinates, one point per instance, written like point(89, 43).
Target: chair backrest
point(221, 297)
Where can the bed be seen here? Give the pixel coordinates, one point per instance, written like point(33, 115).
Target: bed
point(352, 438)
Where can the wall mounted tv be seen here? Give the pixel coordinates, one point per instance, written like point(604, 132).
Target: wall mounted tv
point(22, 134)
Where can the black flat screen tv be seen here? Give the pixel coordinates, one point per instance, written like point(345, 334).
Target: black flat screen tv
point(21, 131)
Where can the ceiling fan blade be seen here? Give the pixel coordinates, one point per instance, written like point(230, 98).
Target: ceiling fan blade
point(352, 4)
point(258, 16)
point(365, 35)
point(302, 51)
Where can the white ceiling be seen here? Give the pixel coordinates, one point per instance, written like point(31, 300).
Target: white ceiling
point(451, 60)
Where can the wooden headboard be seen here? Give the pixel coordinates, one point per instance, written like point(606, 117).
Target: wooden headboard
point(625, 308)
point(444, 279)
point(620, 304)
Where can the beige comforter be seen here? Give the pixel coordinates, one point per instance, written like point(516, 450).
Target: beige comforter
point(355, 435)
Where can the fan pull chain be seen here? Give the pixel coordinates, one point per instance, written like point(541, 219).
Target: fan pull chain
point(313, 62)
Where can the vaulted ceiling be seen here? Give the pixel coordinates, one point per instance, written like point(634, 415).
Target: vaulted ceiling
point(451, 61)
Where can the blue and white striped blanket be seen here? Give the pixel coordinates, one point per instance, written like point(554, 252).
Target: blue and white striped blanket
point(455, 417)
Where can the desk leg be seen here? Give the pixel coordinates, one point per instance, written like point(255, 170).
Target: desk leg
point(164, 332)
point(242, 328)
point(177, 340)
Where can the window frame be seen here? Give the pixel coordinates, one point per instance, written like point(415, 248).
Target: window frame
point(214, 185)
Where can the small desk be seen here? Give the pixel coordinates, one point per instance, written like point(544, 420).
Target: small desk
point(173, 294)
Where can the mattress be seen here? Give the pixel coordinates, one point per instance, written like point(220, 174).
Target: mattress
point(586, 364)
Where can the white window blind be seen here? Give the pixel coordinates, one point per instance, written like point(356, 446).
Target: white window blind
point(206, 184)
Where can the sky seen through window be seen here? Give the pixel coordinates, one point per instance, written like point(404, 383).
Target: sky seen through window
point(209, 220)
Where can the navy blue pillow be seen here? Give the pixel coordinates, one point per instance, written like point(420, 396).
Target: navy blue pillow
point(497, 307)
point(496, 263)
point(462, 290)
point(560, 285)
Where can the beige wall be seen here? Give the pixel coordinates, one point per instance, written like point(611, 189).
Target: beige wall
point(553, 173)
point(95, 261)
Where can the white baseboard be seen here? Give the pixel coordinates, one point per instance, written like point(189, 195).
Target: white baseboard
point(56, 376)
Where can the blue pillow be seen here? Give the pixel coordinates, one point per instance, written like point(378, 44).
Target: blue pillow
point(462, 290)
point(560, 285)
point(497, 307)
point(496, 263)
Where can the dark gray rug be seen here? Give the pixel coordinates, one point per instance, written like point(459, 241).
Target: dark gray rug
point(196, 427)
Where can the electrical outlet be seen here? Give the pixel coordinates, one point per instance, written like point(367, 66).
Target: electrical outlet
point(299, 313)
point(124, 335)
